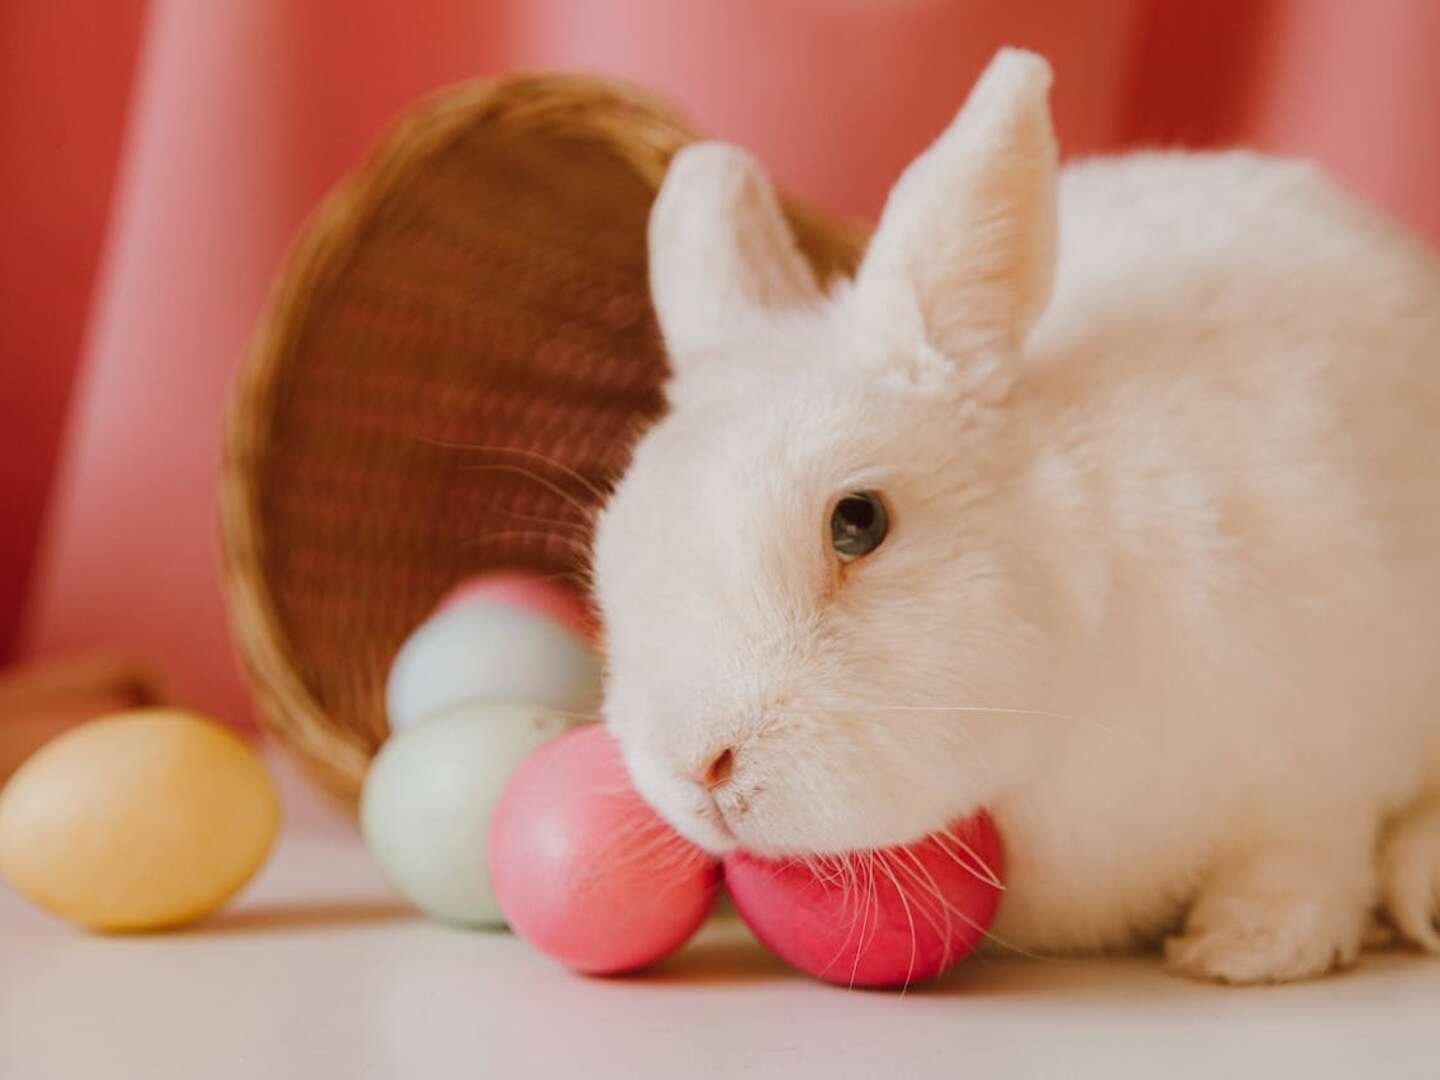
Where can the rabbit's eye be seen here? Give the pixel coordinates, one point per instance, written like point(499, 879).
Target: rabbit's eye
point(858, 524)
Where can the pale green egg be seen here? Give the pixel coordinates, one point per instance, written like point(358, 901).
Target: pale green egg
point(490, 652)
point(425, 809)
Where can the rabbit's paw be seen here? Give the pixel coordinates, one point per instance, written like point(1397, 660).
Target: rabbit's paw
point(1277, 920)
point(1410, 877)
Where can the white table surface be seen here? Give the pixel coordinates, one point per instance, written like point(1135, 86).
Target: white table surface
point(316, 971)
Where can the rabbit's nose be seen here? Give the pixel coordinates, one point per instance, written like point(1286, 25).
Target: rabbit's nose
point(718, 769)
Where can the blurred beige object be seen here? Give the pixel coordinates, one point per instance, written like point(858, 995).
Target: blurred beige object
point(39, 701)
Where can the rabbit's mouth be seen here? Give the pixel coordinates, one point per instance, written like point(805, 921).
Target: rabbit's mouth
point(696, 815)
point(715, 815)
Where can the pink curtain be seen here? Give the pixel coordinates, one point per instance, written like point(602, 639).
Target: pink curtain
point(121, 332)
point(63, 91)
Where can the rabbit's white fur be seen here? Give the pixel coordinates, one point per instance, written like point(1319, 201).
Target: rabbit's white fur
point(1162, 588)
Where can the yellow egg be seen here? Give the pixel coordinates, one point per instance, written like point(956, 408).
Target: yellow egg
point(139, 821)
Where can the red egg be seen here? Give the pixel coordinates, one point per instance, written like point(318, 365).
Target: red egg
point(883, 919)
point(535, 595)
point(584, 870)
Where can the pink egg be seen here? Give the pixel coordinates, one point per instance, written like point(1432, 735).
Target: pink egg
point(531, 594)
point(582, 867)
point(888, 918)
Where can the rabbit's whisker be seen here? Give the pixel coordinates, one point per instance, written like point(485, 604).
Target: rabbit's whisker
point(549, 485)
point(593, 489)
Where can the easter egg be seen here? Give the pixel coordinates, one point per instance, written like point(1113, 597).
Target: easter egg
point(883, 919)
point(139, 821)
point(530, 594)
point(584, 869)
point(428, 796)
point(490, 652)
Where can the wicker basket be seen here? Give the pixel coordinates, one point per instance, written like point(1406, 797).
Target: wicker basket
point(457, 356)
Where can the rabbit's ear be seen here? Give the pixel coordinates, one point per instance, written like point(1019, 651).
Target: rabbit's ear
point(965, 249)
point(720, 250)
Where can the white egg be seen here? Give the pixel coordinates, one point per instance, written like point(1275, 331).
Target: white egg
point(425, 809)
point(490, 652)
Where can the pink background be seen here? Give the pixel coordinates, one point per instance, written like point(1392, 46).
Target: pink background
point(159, 157)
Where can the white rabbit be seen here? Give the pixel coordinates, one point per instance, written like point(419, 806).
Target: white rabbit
point(1120, 519)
